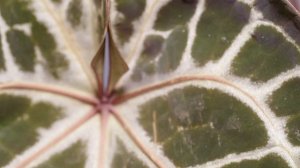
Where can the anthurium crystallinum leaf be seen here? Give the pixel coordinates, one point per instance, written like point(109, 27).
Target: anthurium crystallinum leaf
point(149, 84)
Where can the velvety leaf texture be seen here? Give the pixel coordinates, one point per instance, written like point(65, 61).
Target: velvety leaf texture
point(210, 84)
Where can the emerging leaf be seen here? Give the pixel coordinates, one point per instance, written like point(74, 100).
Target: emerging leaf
point(108, 64)
point(116, 67)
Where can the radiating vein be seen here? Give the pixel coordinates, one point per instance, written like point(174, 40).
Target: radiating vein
point(104, 117)
point(148, 152)
point(175, 81)
point(49, 89)
point(28, 159)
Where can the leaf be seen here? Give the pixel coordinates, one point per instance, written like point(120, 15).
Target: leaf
point(115, 68)
point(108, 63)
point(211, 83)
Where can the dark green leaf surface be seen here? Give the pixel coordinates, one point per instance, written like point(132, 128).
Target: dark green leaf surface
point(173, 50)
point(293, 130)
point(286, 102)
point(266, 55)
point(73, 157)
point(131, 10)
point(130, 161)
point(220, 23)
point(20, 119)
point(269, 161)
point(15, 12)
point(278, 13)
point(22, 44)
point(57, 1)
point(2, 63)
point(22, 49)
point(197, 125)
point(153, 45)
point(175, 13)
point(74, 12)
point(44, 40)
